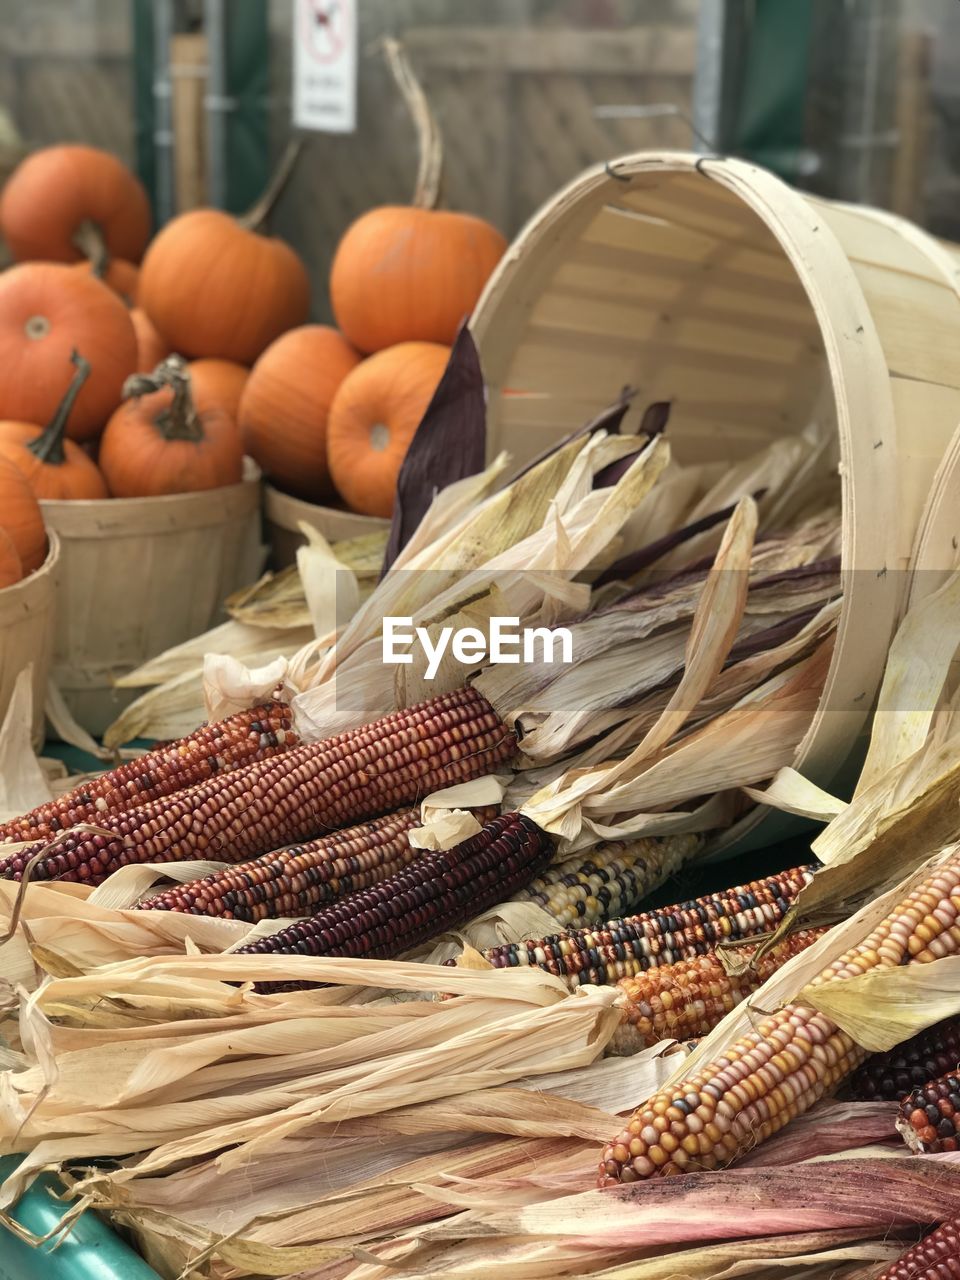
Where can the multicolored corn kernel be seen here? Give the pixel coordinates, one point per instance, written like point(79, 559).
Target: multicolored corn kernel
point(687, 1000)
point(888, 1077)
point(935, 1257)
point(611, 881)
point(743, 1097)
point(929, 1118)
point(300, 879)
point(796, 1057)
point(623, 948)
point(924, 927)
point(437, 891)
point(304, 877)
point(212, 750)
point(316, 787)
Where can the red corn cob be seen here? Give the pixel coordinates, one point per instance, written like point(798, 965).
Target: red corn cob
point(299, 880)
point(791, 1061)
point(435, 892)
point(212, 750)
point(315, 787)
point(889, 1077)
point(929, 1118)
point(936, 1257)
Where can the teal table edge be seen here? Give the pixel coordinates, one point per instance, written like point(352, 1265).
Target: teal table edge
point(91, 1250)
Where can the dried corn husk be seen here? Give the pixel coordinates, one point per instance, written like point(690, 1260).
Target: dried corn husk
point(276, 600)
point(922, 651)
point(23, 783)
point(755, 738)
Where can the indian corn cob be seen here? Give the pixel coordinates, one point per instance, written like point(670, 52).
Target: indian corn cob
point(315, 787)
point(935, 1257)
point(787, 1064)
point(740, 1099)
point(628, 946)
point(687, 1000)
point(212, 750)
point(612, 880)
point(300, 879)
point(436, 891)
point(929, 1117)
point(889, 1077)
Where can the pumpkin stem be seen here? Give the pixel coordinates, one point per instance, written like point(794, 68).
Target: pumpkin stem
point(48, 446)
point(426, 194)
point(259, 212)
point(88, 238)
point(180, 420)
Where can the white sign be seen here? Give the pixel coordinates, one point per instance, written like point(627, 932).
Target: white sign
point(325, 65)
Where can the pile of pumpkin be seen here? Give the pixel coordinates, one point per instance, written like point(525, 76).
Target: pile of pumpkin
point(81, 416)
point(331, 411)
point(132, 367)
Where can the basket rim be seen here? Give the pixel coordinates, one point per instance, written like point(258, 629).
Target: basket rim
point(35, 583)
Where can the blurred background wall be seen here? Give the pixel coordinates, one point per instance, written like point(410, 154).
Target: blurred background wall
point(857, 99)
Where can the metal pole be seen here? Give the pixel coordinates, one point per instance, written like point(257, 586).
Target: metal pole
point(721, 33)
point(217, 104)
point(163, 27)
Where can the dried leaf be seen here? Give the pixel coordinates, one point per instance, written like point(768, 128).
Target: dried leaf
point(884, 1007)
point(925, 645)
point(229, 686)
point(330, 586)
point(444, 829)
point(449, 444)
point(609, 420)
point(23, 784)
point(790, 792)
point(877, 1196)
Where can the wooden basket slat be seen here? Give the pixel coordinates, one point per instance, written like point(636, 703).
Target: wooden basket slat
point(27, 619)
point(140, 575)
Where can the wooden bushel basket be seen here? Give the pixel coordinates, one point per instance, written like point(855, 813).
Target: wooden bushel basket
point(140, 575)
point(284, 513)
point(27, 625)
point(712, 284)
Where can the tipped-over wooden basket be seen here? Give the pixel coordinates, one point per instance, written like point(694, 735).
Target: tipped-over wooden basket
point(712, 284)
point(27, 623)
point(140, 575)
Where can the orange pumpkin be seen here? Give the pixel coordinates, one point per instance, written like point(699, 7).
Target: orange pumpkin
point(212, 287)
point(373, 419)
point(48, 311)
point(11, 570)
point(219, 382)
point(63, 194)
point(151, 348)
point(21, 517)
point(117, 274)
point(53, 466)
point(403, 274)
point(283, 413)
point(160, 441)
